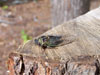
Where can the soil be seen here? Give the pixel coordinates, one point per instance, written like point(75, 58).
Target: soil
point(34, 18)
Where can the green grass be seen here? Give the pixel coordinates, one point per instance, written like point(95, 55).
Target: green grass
point(5, 7)
point(25, 36)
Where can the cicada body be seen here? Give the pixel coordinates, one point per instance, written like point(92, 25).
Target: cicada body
point(48, 41)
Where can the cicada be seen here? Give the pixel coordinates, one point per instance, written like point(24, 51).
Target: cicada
point(48, 41)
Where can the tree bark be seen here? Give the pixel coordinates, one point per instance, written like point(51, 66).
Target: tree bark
point(80, 65)
point(64, 10)
point(79, 55)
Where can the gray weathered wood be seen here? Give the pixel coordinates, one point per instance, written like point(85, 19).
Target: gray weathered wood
point(84, 32)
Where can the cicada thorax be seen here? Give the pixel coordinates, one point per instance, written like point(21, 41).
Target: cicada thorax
point(42, 41)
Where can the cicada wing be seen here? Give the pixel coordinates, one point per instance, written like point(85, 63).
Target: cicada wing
point(66, 40)
point(55, 41)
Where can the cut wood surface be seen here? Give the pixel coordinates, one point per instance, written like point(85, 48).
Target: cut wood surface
point(82, 34)
point(79, 54)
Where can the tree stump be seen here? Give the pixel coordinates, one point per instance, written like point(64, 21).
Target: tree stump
point(78, 56)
